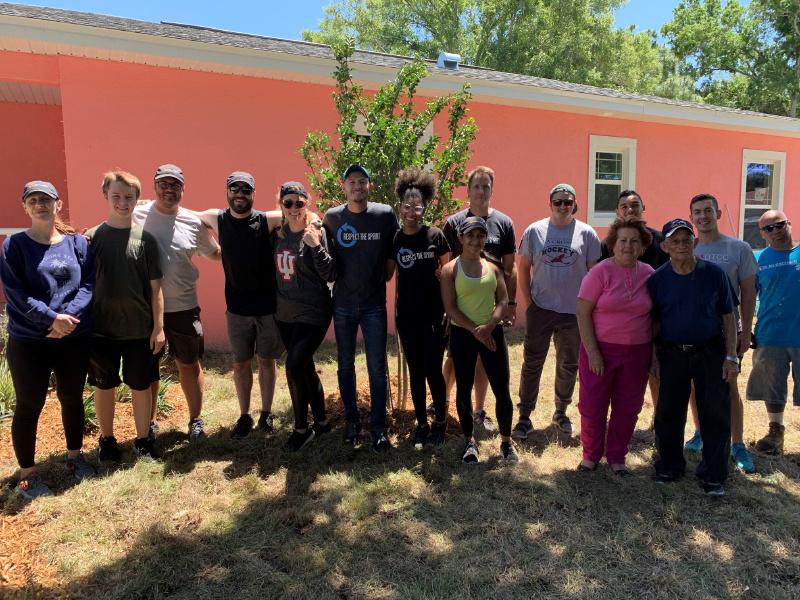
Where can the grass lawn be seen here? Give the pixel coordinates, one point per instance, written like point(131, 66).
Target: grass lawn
point(245, 519)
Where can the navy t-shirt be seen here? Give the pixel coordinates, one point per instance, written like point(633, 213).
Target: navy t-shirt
point(690, 307)
point(500, 237)
point(417, 258)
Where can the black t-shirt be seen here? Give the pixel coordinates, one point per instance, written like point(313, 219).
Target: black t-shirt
point(653, 255)
point(248, 264)
point(500, 238)
point(417, 258)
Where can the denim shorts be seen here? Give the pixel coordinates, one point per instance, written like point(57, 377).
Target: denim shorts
point(769, 378)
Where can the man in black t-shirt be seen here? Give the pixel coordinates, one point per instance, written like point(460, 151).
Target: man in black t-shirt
point(630, 205)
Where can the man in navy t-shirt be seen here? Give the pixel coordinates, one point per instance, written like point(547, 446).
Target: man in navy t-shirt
point(695, 344)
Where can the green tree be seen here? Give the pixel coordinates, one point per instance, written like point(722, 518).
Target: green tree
point(744, 57)
point(568, 40)
point(396, 125)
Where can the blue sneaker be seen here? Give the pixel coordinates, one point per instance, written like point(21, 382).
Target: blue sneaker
point(695, 443)
point(741, 458)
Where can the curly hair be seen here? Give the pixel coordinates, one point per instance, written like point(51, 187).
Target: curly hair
point(629, 223)
point(418, 179)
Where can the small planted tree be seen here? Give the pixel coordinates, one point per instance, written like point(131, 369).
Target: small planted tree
point(395, 137)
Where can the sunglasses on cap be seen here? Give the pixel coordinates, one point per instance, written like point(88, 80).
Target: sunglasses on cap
point(289, 203)
point(566, 202)
point(773, 226)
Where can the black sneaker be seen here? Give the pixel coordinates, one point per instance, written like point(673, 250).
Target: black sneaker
point(713, 490)
point(321, 429)
point(109, 450)
point(144, 449)
point(436, 438)
point(351, 432)
point(381, 444)
point(421, 434)
point(470, 453)
point(509, 453)
point(266, 422)
point(243, 427)
point(196, 430)
point(152, 431)
point(664, 478)
point(298, 440)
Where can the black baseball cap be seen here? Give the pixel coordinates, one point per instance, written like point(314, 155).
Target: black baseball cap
point(168, 170)
point(39, 186)
point(356, 168)
point(293, 187)
point(674, 225)
point(241, 177)
point(471, 223)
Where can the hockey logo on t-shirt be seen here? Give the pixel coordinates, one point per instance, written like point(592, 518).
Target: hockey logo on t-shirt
point(557, 255)
point(285, 263)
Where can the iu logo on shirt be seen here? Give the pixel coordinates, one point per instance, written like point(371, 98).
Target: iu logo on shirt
point(285, 264)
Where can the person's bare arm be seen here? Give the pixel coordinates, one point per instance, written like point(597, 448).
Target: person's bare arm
point(524, 277)
point(157, 307)
point(510, 278)
point(209, 217)
point(748, 308)
point(588, 337)
point(274, 219)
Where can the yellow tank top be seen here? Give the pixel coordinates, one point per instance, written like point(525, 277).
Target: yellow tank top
point(475, 295)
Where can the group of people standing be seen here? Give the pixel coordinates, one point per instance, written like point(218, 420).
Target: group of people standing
point(641, 305)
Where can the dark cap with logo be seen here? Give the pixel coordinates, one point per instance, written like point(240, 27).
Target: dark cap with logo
point(471, 223)
point(293, 187)
point(356, 168)
point(173, 171)
point(674, 225)
point(241, 177)
point(44, 187)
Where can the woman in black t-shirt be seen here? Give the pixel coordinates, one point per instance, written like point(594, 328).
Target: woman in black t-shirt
point(419, 252)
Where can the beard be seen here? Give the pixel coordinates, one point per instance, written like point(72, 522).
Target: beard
point(240, 208)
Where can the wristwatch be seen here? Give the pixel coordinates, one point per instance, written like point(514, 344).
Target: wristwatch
point(733, 359)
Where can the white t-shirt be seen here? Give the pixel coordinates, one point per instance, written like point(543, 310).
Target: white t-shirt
point(560, 257)
point(179, 236)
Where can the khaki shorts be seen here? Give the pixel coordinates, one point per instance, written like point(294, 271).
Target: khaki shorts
point(253, 335)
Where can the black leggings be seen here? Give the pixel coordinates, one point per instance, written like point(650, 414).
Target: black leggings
point(305, 388)
point(31, 362)
point(423, 344)
point(464, 350)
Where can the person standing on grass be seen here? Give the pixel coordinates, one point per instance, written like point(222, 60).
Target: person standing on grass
point(244, 236)
point(501, 247)
point(475, 298)
point(361, 234)
point(303, 268)
point(693, 310)
point(616, 346)
point(180, 235)
point(48, 278)
point(736, 258)
point(555, 255)
point(777, 335)
point(419, 253)
point(128, 315)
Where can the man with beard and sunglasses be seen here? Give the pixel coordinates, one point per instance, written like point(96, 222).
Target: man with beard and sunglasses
point(250, 297)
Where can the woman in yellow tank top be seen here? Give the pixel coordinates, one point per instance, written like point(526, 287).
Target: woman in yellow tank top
point(475, 298)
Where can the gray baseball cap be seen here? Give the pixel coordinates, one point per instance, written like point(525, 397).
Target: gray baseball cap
point(40, 186)
point(168, 170)
point(241, 177)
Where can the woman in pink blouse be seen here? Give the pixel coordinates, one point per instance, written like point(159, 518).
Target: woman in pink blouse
point(616, 346)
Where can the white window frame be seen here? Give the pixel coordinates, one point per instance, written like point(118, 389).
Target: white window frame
point(624, 146)
point(765, 157)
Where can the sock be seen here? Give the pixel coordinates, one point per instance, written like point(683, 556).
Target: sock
point(775, 418)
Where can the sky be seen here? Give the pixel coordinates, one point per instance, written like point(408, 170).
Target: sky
point(279, 18)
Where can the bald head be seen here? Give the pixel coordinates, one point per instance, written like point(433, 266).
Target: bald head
point(776, 230)
point(771, 216)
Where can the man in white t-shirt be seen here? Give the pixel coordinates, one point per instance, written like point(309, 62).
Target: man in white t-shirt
point(179, 234)
point(555, 254)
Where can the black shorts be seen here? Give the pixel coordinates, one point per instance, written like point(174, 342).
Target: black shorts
point(184, 333)
point(137, 360)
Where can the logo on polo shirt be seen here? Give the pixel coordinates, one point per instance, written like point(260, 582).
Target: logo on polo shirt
point(285, 263)
point(347, 236)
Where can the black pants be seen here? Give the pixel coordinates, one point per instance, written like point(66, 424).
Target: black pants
point(464, 350)
point(679, 369)
point(31, 363)
point(423, 344)
point(305, 388)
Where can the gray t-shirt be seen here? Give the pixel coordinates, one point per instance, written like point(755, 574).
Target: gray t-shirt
point(178, 236)
point(560, 257)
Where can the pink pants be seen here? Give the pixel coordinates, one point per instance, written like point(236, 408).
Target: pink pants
point(622, 386)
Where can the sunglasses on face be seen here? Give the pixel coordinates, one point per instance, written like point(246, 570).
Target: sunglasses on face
point(170, 185)
point(240, 189)
point(563, 202)
point(773, 226)
point(288, 203)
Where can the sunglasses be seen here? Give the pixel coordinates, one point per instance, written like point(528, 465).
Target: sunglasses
point(167, 185)
point(413, 208)
point(240, 189)
point(299, 203)
point(563, 202)
point(773, 226)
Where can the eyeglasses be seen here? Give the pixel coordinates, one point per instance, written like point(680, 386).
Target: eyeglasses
point(563, 202)
point(240, 189)
point(773, 226)
point(167, 185)
point(299, 203)
point(415, 208)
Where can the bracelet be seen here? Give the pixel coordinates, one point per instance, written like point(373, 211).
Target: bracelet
point(512, 303)
point(733, 359)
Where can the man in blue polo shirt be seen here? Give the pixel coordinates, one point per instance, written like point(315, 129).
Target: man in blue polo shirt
point(696, 344)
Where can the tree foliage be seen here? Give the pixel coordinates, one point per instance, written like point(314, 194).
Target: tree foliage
point(396, 125)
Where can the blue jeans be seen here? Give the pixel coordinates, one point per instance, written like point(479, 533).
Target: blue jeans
point(372, 319)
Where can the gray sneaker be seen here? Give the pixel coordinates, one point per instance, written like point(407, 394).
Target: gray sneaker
point(196, 430)
point(561, 420)
point(32, 487)
point(79, 468)
point(522, 429)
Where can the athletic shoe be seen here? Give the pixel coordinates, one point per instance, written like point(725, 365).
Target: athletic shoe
point(266, 422)
point(561, 420)
point(772, 443)
point(196, 430)
point(431, 409)
point(109, 450)
point(664, 478)
point(297, 441)
point(522, 429)
point(436, 438)
point(421, 434)
point(79, 468)
point(321, 429)
point(352, 430)
point(481, 418)
point(381, 444)
point(32, 487)
point(144, 449)
point(714, 490)
point(470, 455)
point(243, 427)
point(694, 444)
point(741, 458)
point(152, 431)
point(509, 453)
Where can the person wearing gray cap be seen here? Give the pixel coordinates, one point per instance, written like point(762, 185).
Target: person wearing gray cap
point(244, 235)
point(555, 255)
point(180, 235)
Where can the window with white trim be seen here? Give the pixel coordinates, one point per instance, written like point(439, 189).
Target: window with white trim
point(612, 168)
point(762, 189)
